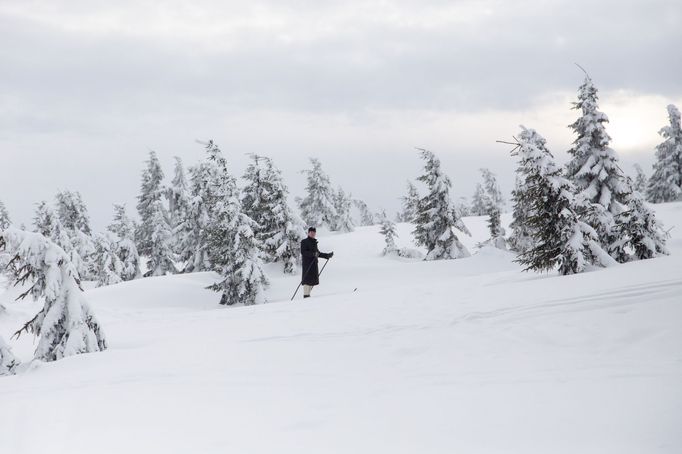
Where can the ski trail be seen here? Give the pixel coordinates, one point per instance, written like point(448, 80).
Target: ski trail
point(614, 298)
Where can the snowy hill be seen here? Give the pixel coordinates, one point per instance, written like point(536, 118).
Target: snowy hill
point(468, 356)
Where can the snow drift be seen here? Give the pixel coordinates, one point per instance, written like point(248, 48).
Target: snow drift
point(467, 355)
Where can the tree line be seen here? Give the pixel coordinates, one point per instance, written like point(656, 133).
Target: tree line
point(587, 213)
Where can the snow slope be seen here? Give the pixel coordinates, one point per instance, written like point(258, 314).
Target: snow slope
point(463, 356)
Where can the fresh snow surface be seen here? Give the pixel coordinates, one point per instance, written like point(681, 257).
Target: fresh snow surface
point(458, 356)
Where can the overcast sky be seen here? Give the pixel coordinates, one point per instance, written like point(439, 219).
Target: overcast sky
point(88, 87)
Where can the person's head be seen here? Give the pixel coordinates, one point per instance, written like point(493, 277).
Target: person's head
point(312, 232)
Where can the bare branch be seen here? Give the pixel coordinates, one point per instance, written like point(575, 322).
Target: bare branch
point(583, 69)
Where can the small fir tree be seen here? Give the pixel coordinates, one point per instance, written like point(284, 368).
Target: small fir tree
point(665, 184)
point(317, 207)
point(641, 235)
point(66, 325)
point(388, 230)
point(161, 256)
point(126, 250)
point(410, 204)
point(151, 192)
point(342, 206)
point(437, 218)
point(108, 266)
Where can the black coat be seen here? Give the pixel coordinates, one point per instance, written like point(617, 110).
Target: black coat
point(310, 254)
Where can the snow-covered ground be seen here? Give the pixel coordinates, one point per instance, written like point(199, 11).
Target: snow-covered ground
point(461, 356)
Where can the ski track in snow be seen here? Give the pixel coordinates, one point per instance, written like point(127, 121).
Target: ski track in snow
point(468, 355)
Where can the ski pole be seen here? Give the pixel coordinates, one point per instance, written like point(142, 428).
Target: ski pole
point(306, 273)
point(300, 283)
point(325, 264)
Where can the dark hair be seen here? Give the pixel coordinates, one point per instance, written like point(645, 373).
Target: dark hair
point(311, 229)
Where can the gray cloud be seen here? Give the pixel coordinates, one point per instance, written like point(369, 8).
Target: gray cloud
point(85, 88)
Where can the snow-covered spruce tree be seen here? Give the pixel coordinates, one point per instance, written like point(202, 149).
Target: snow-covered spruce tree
point(265, 200)
point(151, 192)
point(72, 212)
point(124, 244)
point(665, 184)
point(75, 224)
point(108, 266)
point(232, 244)
point(192, 232)
point(496, 230)
point(44, 219)
point(8, 362)
point(463, 208)
point(365, 217)
point(492, 190)
point(66, 325)
point(388, 230)
point(61, 238)
point(317, 207)
point(342, 222)
point(640, 181)
point(410, 203)
point(178, 202)
point(561, 238)
point(593, 168)
point(257, 197)
point(161, 258)
point(5, 220)
point(639, 231)
point(521, 238)
point(436, 216)
point(479, 202)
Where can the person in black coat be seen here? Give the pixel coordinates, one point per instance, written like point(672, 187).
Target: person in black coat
point(310, 254)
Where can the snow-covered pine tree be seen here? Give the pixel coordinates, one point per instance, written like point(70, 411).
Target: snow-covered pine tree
point(342, 222)
point(639, 231)
point(463, 208)
point(496, 230)
point(231, 241)
point(192, 232)
point(72, 212)
point(8, 362)
point(479, 202)
point(151, 191)
point(265, 201)
point(388, 230)
point(665, 184)
point(66, 325)
point(561, 238)
point(74, 223)
point(161, 258)
point(436, 216)
point(410, 203)
point(365, 217)
point(178, 202)
point(5, 220)
point(640, 182)
point(593, 168)
point(317, 207)
point(521, 238)
point(492, 190)
point(257, 196)
point(108, 266)
point(44, 219)
point(126, 250)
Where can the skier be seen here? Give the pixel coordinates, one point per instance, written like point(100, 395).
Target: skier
point(310, 254)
